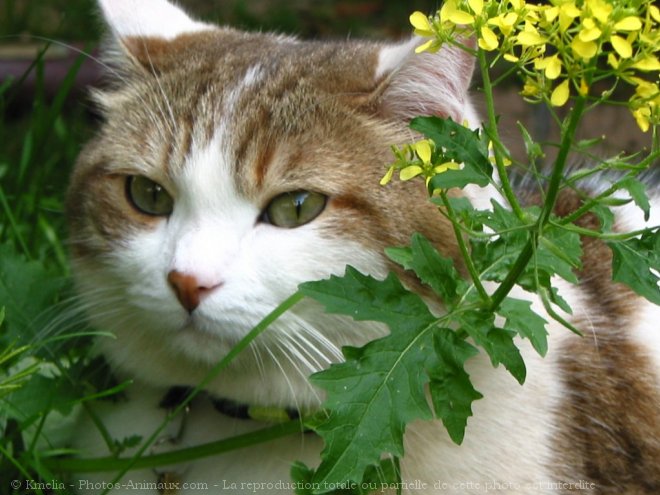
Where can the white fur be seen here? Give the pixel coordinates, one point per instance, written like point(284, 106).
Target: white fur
point(149, 18)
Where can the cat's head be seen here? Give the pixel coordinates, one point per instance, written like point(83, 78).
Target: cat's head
point(231, 167)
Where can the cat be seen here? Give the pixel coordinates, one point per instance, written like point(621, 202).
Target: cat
point(229, 168)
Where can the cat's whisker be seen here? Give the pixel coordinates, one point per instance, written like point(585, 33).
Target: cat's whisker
point(285, 375)
point(286, 353)
point(258, 360)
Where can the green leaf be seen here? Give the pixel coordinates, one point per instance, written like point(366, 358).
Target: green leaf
point(380, 388)
point(462, 145)
point(532, 148)
point(27, 291)
point(38, 396)
point(605, 217)
point(452, 392)
point(496, 342)
point(522, 319)
point(637, 192)
point(636, 263)
point(364, 298)
point(434, 270)
point(559, 253)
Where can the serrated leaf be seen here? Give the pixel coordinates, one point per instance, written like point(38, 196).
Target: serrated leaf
point(503, 350)
point(451, 390)
point(605, 217)
point(636, 263)
point(434, 270)
point(637, 192)
point(522, 319)
point(497, 343)
point(364, 298)
point(462, 145)
point(559, 252)
point(380, 388)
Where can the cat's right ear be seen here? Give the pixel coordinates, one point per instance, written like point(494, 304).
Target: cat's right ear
point(141, 29)
point(425, 83)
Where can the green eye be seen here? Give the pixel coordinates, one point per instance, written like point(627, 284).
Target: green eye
point(293, 209)
point(148, 196)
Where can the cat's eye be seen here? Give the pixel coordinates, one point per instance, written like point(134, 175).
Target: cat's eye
point(293, 209)
point(148, 196)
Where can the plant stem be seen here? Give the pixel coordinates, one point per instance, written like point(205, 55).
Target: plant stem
point(493, 133)
point(99, 464)
point(568, 134)
point(474, 274)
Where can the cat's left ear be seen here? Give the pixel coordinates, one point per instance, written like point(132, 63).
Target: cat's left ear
point(426, 83)
point(136, 24)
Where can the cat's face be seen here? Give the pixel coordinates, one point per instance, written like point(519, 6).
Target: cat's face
point(230, 168)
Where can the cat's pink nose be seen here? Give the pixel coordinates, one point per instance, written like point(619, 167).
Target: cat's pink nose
point(189, 291)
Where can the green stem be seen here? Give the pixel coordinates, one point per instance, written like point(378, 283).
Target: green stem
point(99, 464)
point(493, 133)
point(474, 274)
point(600, 235)
point(568, 134)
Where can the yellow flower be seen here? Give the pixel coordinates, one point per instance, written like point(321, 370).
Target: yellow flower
point(531, 89)
point(517, 4)
point(488, 40)
point(630, 23)
point(446, 166)
point(551, 66)
point(613, 61)
point(421, 24)
point(560, 94)
point(505, 22)
point(551, 14)
point(649, 63)
point(424, 150)
point(530, 36)
point(584, 88)
point(621, 46)
point(477, 6)
point(567, 12)
point(599, 9)
point(425, 47)
point(643, 117)
point(388, 176)
point(450, 12)
point(589, 31)
point(585, 50)
point(410, 172)
point(655, 13)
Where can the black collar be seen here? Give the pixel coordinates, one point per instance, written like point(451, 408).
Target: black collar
point(176, 395)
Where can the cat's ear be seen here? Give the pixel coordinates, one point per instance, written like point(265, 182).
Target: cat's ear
point(426, 83)
point(148, 19)
point(138, 25)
